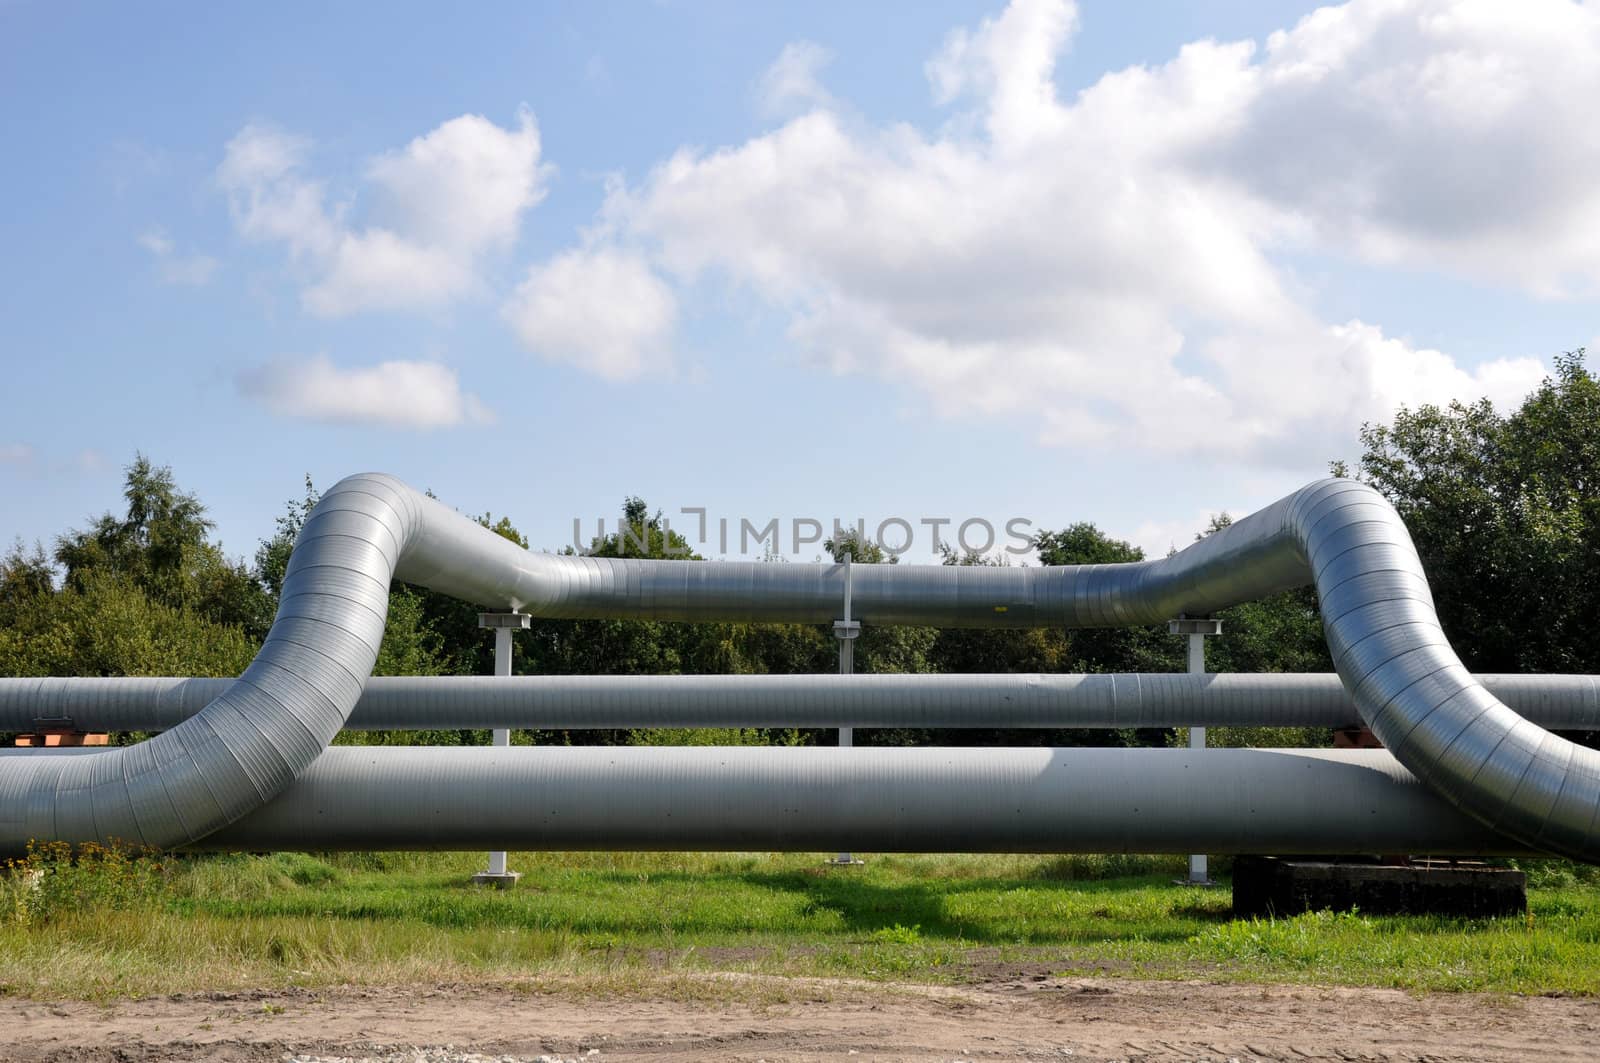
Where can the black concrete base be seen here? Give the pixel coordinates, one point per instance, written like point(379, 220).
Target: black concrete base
point(1271, 885)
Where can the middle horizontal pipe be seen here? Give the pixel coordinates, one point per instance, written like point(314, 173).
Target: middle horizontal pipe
point(1559, 702)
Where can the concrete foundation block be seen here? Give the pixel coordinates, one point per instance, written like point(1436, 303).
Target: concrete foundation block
point(500, 880)
point(1282, 886)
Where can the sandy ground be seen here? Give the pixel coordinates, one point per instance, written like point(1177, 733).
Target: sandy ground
point(1035, 1018)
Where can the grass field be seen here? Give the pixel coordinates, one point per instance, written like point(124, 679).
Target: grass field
point(109, 926)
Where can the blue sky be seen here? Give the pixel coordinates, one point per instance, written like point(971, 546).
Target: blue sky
point(1126, 263)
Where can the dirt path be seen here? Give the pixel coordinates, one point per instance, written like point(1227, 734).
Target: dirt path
point(1048, 1018)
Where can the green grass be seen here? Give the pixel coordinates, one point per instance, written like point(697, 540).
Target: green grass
point(110, 926)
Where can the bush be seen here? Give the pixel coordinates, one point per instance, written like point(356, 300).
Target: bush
point(57, 879)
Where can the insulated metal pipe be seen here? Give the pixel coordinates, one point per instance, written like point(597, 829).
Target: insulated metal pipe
point(869, 799)
point(1339, 535)
point(262, 731)
point(1032, 700)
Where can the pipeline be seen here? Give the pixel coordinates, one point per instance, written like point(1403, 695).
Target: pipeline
point(905, 799)
point(268, 725)
point(249, 744)
point(896, 799)
point(575, 703)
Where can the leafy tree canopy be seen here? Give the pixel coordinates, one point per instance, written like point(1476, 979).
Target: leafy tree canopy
point(1504, 510)
point(161, 546)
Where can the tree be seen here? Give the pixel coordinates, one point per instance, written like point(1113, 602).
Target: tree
point(106, 625)
point(161, 546)
point(272, 556)
point(1505, 514)
point(24, 577)
point(144, 594)
point(1136, 649)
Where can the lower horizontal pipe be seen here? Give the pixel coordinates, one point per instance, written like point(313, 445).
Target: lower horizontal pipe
point(863, 799)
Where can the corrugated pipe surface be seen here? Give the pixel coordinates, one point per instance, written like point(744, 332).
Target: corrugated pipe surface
point(1158, 699)
point(268, 725)
point(1388, 649)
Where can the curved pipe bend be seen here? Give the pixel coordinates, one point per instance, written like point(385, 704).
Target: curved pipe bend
point(1394, 660)
point(266, 728)
point(1343, 537)
point(1414, 692)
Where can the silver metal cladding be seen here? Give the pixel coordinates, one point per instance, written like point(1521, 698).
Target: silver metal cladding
point(258, 734)
point(869, 799)
point(566, 702)
point(264, 730)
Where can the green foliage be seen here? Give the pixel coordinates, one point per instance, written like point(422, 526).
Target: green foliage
point(55, 880)
point(1299, 940)
point(103, 624)
point(698, 736)
point(1551, 873)
point(1505, 514)
point(410, 646)
point(898, 934)
point(302, 869)
point(1084, 544)
point(122, 925)
point(640, 534)
point(272, 557)
point(161, 547)
point(24, 578)
point(1134, 649)
point(1259, 737)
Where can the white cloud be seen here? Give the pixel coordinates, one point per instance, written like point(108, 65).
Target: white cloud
point(1008, 62)
point(1297, 396)
point(400, 393)
point(193, 270)
point(15, 454)
point(269, 197)
point(440, 205)
point(259, 154)
point(378, 270)
point(602, 309)
point(465, 185)
point(1103, 268)
point(1440, 133)
point(791, 83)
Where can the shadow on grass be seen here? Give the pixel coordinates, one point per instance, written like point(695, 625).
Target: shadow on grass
point(814, 903)
point(1072, 911)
